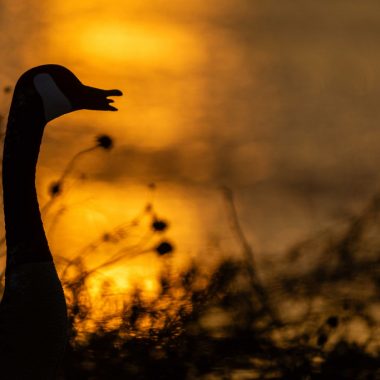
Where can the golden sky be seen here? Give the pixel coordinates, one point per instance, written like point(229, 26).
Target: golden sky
point(277, 100)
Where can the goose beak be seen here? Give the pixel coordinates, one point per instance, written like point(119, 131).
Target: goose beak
point(97, 99)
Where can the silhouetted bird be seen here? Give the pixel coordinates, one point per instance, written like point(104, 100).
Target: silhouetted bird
point(33, 319)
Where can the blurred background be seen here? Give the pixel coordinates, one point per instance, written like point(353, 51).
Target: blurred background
point(276, 101)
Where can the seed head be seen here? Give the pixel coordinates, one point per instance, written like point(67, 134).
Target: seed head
point(105, 142)
point(164, 248)
point(159, 225)
point(55, 189)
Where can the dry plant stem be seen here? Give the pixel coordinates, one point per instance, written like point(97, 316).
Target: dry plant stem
point(129, 252)
point(71, 164)
point(69, 167)
point(356, 229)
point(248, 255)
point(121, 227)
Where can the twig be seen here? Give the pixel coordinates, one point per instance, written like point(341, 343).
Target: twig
point(248, 255)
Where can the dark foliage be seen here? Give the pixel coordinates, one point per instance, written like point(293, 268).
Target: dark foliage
point(201, 325)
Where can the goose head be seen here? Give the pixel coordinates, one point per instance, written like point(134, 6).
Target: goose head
point(58, 91)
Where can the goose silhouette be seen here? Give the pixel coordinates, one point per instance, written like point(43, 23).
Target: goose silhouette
point(33, 320)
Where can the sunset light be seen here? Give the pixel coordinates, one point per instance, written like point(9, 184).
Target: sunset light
point(190, 190)
point(139, 45)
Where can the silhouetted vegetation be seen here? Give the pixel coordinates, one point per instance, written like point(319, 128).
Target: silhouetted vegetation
point(202, 325)
point(317, 317)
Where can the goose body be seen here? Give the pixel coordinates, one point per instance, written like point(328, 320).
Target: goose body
point(33, 320)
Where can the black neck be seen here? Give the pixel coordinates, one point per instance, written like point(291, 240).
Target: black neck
point(25, 235)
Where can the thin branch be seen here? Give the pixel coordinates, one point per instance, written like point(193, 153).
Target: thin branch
point(248, 254)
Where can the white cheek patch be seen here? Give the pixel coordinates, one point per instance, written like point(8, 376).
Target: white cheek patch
point(54, 100)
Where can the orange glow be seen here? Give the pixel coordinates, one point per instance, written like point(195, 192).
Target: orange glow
point(137, 44)
point(87, 210)
point(107, 51)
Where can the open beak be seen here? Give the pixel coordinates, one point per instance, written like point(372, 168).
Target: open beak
point(97, 99)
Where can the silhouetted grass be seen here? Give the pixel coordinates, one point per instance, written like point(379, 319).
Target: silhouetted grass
point(174, 336)
point(228, 325)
